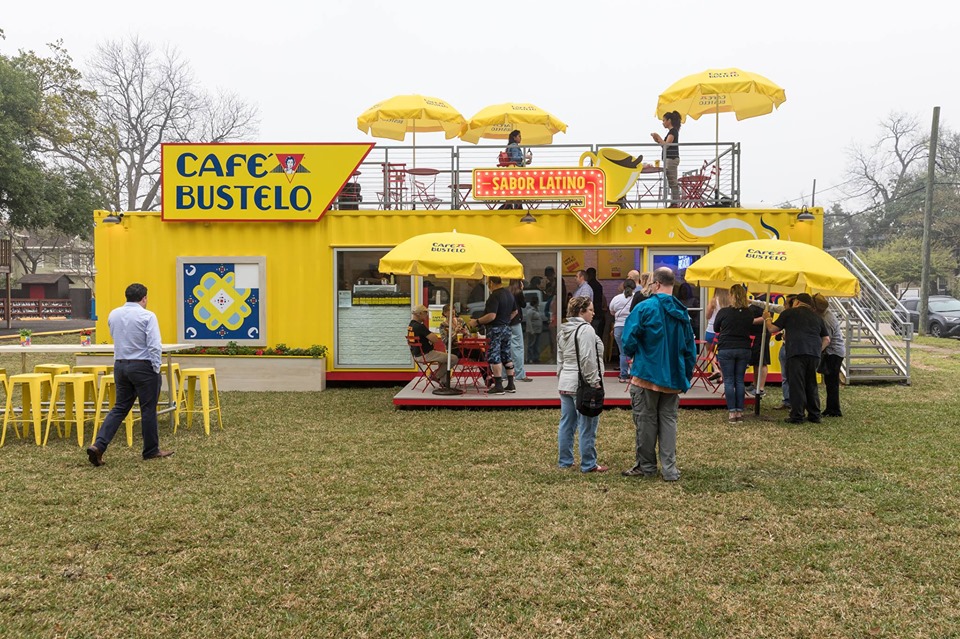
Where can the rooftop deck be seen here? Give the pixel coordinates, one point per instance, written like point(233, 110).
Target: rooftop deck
point(386, 182)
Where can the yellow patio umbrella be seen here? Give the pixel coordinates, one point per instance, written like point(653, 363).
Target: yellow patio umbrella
point(496, 121)
point(765, 265)
point(451, 255)
point(719, 91)
point(768, 265)
point(393, 118)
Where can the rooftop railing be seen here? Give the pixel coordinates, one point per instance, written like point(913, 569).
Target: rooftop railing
point(440, 177)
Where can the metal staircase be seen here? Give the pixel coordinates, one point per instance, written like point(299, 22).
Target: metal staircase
point(877, 328)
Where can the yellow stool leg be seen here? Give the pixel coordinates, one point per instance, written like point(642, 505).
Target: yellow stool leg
point(129, 423)
point(6, 420)
point(36, 412)
point(205, 403)
point(216, 397)
point(50, 411)
point(80, 409)
point(101, 396)
point(191, 397)
point(68, 408)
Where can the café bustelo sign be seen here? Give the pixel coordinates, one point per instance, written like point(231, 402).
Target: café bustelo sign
point(254, 182)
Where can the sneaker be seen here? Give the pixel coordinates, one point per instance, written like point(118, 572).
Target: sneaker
point(510, 388)
point(636, 472)
point(783, 406)
point(496, 390)
point(750, 390)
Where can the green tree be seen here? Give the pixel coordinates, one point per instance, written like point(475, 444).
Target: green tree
point(900, 261)
point(36, 190)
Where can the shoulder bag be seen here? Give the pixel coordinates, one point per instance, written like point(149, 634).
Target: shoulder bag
point(589, 399)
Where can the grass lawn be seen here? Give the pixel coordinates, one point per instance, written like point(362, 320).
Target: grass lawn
point(333, 514)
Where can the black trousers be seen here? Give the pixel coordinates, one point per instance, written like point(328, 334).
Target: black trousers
point(135, 379)
point(831, 379)
point(804, 393)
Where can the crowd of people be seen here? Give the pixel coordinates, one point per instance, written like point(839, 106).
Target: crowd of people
point(655, 339)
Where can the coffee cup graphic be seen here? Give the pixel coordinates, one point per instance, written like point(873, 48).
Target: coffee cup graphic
point(621, 169)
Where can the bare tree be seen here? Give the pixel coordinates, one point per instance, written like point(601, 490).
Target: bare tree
point(146, 97)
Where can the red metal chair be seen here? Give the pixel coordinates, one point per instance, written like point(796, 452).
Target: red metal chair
point(692, 190)
point(395, 183)
point(424, 193)
point(705, 357)
point(427, 370)
point(472, 366)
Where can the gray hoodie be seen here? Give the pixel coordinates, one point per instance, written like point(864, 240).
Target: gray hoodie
point(590, 349)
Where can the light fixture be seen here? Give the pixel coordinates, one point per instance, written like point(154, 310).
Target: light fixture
point(528, 218)
point(805, 215)
point(113, 219)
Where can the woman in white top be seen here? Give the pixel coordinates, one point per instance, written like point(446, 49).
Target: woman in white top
point(620, 309)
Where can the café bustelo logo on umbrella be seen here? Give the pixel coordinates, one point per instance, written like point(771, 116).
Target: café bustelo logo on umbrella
point(779, 256)
point(443, 247)
point(255, 182)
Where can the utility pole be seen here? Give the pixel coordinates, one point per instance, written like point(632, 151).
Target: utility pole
point(927, 215)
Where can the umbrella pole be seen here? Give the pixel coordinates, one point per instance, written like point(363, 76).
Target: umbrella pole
point(716, 150)
point(449, 390)
point(759, 368)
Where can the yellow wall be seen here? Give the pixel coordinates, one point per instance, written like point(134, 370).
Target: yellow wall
point(300, 260)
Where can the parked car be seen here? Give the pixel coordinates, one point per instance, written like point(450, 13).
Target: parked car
point(943, 314)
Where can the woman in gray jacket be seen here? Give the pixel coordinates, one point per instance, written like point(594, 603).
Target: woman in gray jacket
point(577, 327)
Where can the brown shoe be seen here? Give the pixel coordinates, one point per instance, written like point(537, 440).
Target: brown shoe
point(95, 455)
point(159, 454)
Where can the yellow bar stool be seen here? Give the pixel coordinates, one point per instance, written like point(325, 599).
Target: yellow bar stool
point(34, 387)
point(77, 388)
point(204, 378)
point(175, 391)
point(97, 370)
point(52, 370)
point(108, 393)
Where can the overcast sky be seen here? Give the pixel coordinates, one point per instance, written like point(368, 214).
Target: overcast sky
point(312, 67)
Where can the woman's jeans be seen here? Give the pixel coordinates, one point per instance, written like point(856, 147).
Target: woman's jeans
point(733, 365)
point(618, 336)
point(586, 428)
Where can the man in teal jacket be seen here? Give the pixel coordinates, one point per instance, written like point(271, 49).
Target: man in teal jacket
point(659, 338)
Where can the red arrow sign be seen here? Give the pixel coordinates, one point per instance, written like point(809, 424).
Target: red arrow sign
point(584, 185)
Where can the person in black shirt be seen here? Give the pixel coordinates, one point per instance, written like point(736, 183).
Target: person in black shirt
point(807, 337)
point(599, 321)
point(428, 342)
point(500, 309)
point(734, 326)
point(671, 154)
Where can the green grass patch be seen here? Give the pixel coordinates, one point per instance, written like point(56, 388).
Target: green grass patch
point(333, 514)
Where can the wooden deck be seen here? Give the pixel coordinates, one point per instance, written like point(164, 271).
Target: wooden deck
point(542, 393)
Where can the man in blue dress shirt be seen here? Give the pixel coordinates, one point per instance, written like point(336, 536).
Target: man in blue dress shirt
point(136, 371)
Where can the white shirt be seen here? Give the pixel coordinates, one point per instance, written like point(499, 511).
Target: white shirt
point(620, 309)
point(136, 334)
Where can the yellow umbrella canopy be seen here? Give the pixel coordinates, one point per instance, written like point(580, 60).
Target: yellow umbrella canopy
point(778, 265)
point(496, 121)
point(394, 117)
point(721, 91)
point(451, 255)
